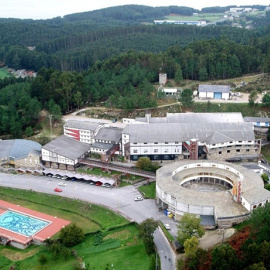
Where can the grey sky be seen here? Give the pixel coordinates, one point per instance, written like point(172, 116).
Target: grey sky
point(45, 9)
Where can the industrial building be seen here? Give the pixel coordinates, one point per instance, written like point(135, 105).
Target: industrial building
point(219, 136)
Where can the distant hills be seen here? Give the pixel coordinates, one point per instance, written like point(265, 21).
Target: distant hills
point(77, 41)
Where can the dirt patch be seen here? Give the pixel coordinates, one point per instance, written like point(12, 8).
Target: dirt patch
point(18, 255)
point(212, 238)
point(121, 235)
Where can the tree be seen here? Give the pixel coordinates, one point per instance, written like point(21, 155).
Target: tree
point(28, 132)
point(146, 231)
point(224, 258)
point(260, 223)
point(178, 76)
point(253, 96)
point(266, 99)
point(144, 163)
point(268, 134)
point(189, 226)
point(186, 98)
point(265, 177)
point(256, 266)
point(71, 235)
point(191, 246)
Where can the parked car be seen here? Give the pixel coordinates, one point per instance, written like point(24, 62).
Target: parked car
point(98, 184)
point(167, 226)
point(106, 185)
point(63, 184)
point(49, 174)
point(92, 183)
point(64, 178)
point(58, 190)
point(139, 198)
point(58, 176)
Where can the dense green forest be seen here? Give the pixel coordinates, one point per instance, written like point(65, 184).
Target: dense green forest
point(77, 41)
point(81, 59)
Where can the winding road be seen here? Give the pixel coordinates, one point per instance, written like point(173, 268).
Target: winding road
point(120, 200)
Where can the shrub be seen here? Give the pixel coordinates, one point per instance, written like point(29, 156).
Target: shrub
point(71, 235)
point(42, 259)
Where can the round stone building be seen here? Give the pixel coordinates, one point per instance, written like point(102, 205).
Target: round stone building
point(222, 193)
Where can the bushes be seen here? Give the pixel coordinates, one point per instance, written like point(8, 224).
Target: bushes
point(71, 235)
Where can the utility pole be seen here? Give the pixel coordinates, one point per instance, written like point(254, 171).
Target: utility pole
point(50, 117)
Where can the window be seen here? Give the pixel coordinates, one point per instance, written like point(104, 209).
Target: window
point(156, 143)
point(228, 151)
point(238, 150)
point(176, 142)
point(145, 151)
point(166, 142)
point(135, 151)
point(166, 151)
point(134, 143)
point(247, 150)
point(145, 143)
point(155, 150)
point(220, 152)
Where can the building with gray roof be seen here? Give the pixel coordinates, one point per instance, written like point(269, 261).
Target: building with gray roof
point(20, 153)
point(234, 117)
point(226, 191)
point(84, 131)
point(64, 153)
point(170, 141)
point(107, 142)
point(214, 91)
point(258, 121)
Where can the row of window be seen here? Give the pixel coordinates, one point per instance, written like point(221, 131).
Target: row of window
point(230, 143)
point(237, 150)
point(157, 143)
point(145, 151)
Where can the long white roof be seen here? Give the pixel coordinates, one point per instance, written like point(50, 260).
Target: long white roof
point(210, 133)
point(234, 117)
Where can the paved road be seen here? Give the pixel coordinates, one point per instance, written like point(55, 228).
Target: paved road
point(118, 199)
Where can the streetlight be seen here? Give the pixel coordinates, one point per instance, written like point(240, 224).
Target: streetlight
point(156, 257)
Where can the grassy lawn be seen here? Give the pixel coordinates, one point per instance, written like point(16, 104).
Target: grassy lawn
point(100, 172)
point(266, 152)
point(121, 246)
point(4, 73)
point(149, 191)
point(244, 108)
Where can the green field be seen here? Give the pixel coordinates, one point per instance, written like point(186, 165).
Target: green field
point(121, 246)
point(149, 191)
point(4, 73)
point(209, 17)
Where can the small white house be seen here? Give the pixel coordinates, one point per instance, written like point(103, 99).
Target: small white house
point(214, 91)
point(258, 121)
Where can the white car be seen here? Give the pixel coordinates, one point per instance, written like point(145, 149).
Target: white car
point(167, 226)
point(139, 198)
point(62, 184)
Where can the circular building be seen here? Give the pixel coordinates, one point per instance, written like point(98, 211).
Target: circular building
point(222, 193)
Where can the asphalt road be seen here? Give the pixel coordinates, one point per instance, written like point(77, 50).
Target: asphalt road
point(118, 199)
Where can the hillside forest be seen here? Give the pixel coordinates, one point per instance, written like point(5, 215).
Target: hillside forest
point(82, 59)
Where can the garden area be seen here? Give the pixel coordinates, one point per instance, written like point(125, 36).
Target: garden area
point(110, 241)
point(4, 73)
